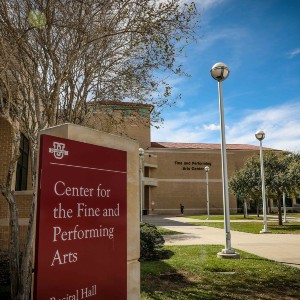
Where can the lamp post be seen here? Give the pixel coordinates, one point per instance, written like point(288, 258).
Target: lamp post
point(207, 191)
point(260, 135)
point(284, 208)
point(141, 154)
point(220, 72)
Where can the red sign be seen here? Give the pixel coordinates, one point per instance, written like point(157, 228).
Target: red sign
point(81, 236)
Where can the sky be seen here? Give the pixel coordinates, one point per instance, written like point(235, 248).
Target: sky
point(259, 41)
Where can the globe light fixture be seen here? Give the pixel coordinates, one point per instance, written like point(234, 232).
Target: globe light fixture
point(220, 72)
point(260, 135)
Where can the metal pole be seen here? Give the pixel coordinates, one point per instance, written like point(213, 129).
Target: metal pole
point(207, 196)
point(141, 187)
point(284, 208)
point(227, 249)
point(245, 209)
point(265, 230)
point(220, 72)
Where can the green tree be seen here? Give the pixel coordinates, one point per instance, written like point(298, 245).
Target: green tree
point(58, 58)
point(246, 182)
point(282, 175)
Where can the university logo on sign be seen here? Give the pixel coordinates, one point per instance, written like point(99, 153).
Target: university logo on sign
point(58, 150)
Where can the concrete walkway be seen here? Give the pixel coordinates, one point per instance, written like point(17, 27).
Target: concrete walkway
point(284, 248)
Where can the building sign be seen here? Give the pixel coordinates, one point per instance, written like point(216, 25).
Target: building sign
point(192, 165)
point(81, 236)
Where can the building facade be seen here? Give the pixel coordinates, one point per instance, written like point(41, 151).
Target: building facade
point(173, 173)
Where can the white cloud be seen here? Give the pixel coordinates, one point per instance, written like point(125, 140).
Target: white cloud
point(280, 123)
point(184, 127)
point(212, 127)
point(228, 35)
point(294, 53)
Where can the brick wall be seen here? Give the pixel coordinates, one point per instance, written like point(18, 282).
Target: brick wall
point(5, 148)
point(5, 155)
point(24, 200)
point(3, 237)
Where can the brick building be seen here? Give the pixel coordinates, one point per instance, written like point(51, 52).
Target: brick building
point(173, 172)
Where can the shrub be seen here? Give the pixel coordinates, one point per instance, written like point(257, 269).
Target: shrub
point(151, 242)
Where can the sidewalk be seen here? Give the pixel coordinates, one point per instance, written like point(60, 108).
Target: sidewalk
point(283, 248)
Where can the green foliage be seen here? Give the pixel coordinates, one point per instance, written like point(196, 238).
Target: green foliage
point(37, 19)
point(151, 242)
point(281, 170)
point(247, 180)
point(282, 175)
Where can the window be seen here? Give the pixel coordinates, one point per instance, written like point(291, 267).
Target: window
point(147, 172)
point(143, 112)
point(22, 165)
point(288, 202)
point(127, 113)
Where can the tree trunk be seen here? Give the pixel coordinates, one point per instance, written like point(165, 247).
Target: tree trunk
point(20, 265)
point(27, 259)
point(6, 191)
point(14, 250)
point(279, 210)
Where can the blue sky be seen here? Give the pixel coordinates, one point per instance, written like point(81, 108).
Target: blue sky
point(259, 40)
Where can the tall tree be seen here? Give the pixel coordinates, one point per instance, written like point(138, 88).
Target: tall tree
point(63, 58)
point(282, 175)
point(246, 182)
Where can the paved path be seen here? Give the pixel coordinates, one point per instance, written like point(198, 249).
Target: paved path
point(284, 248)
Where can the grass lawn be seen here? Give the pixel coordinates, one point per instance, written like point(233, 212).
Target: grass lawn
point(195, 272)
point(293, 215)
point(221, 217)
point(165, 231)
point(255, 227)
point(241, 217)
